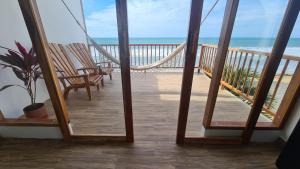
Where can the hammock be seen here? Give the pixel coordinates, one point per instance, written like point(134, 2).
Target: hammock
point(108, 56)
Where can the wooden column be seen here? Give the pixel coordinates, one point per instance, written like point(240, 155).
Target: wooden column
point(289, 99)
point(39, 41)
point(122, 20)
point(227, 26)
point(282, 39)
point(188, 72)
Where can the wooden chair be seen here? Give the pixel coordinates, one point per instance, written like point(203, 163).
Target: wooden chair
point(83, 56)
point(69, 74)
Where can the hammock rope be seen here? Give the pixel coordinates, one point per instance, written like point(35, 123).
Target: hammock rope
point(162, 61)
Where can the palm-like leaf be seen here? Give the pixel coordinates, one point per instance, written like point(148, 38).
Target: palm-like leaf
point(18, 60)
point(27, 57)
point(10, 60)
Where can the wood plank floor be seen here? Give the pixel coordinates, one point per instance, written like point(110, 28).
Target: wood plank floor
point(155, 108)
point(47, 154)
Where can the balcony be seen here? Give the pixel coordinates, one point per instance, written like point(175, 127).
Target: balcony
point(231, 96)
point(156, 92)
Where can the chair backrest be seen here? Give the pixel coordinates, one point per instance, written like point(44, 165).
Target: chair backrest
point(82, 54)
point(61, 60)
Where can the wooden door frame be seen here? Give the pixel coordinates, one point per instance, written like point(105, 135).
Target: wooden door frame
point(39, 41)
point(188, 71)
point(226, 31)
point(227, 26)
point(264, 86)
point(122, 21)
point(289, 100)
point(283, 36)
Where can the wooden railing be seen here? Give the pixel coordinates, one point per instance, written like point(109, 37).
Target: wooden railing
point(144, 54)
point(242, 73)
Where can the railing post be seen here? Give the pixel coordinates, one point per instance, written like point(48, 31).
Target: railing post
point(201, 58)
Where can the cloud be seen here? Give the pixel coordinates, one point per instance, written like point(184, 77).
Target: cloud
point(259, 19)
point(145, 17)
point(150, 18)
point(102, 23)
point(169, 18)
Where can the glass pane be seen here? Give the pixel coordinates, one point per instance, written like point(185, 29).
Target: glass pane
point(209, 31)
point(250, 46)
point(79, 72)
point(283, 76)
point(157, 29)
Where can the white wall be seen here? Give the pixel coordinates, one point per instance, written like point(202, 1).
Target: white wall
point(59, 28)
point(12, 28)
point(291, 122)
point(58, 23)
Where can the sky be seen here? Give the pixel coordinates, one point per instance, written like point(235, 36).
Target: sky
point(169, 18)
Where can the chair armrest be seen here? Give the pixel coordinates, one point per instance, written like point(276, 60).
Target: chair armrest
point(109, 64)
point(96, 69)
point(103, 62)
point(75, 76)
point(88, 68)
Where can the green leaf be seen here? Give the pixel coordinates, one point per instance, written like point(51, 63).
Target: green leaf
point(5, 87)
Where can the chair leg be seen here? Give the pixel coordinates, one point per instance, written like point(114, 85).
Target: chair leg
point(98, 86)
point(88, 90)
point(102, 82)
point(66, 93)
point(110, 76)
point(87, 86)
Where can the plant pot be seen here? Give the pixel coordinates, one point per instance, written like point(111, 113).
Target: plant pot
point(36, 110)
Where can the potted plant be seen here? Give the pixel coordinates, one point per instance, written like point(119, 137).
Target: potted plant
point(25, 66)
